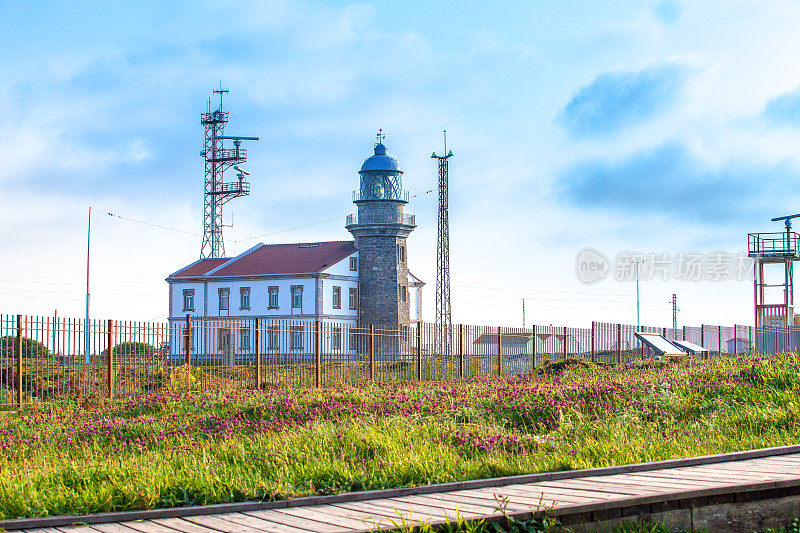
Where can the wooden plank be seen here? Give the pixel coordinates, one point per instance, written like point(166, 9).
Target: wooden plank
point(531, 494)
point(296, 522)
point(699, 480)
point(114, 528)
point(320, 514)
point(526, 498)
point(436, 513)
point(614, 489)
point(712, 477)
point(392, 513)
point(660, 483)
point(463, 503)
point(465, 506)
point(377, 512)
point(224, 526)
point(78, 528)
point(254, 523)
point(179, 524)
point(367, 518)
point(149, 526)
point(577, 494)
point(41, 530)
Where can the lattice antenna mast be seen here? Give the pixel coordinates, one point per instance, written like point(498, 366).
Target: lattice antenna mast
point(217, 160)
point(443, 337)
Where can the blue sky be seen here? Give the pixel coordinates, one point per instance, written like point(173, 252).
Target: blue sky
point(658, 127)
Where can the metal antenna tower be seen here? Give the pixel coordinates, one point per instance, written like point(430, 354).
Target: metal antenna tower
point(444, 321)
point(217, 160)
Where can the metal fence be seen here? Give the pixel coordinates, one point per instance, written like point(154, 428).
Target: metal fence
point(48, 358)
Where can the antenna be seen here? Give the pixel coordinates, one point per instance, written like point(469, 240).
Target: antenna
point(444, 321)
point(381, 136)
point(217, 160)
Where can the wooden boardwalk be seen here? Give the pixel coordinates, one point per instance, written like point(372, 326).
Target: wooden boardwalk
point(575, 497)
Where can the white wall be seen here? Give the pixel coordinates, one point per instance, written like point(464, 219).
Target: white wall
point(259, 297)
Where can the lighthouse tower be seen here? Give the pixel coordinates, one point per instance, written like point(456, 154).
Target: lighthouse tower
point(380, 229)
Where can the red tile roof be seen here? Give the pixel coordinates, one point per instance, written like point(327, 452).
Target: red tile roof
point(268, 259)
point(199, 268)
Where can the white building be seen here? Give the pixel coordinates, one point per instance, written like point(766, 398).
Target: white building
point(290, 286)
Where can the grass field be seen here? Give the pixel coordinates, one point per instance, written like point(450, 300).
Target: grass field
point(192, 448)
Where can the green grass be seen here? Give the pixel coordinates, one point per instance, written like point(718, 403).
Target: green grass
point(193, 448)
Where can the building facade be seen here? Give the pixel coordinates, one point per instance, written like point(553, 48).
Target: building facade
point(343, 285)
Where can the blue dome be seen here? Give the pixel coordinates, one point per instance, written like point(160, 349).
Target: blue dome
point(380, 161)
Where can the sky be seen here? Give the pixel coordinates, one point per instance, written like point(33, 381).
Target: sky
point(660, 130)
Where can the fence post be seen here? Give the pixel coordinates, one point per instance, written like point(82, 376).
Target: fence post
point(257, 351)
point(317, 354)
point(619, 344)
point(499, 352)
point(735, 341)
point(19, 360)
point(533, 343)
point(461, 351)
point(372, 352)
point(750, 338)
point(419, 351)
point(187, 346)
point(684, 332)
point(564, 343)
point(719, 340)
point(703, 338)
point(110, 334)
point(591, 343)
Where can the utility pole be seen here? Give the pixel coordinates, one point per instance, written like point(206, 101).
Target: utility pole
point(444, 320)
point(637, 262)
point(674, 313)
point(86, 335)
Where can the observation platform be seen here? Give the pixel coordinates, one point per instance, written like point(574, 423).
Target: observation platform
point(775, 247)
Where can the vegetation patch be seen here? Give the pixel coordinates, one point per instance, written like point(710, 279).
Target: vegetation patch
point(201, 447)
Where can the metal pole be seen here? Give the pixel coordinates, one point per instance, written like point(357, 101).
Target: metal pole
point(372, 352)
point(461, 351)
point(19, 360)
point(88, 251)
point(187, 346)
point(533, 344)
point(523, 313)
point(419, 349)
point(257, 351)
point(317, 355)
point(110, 342)
point(719, 340)
point(619, 344)
point(735, 341)
point(564, 343)
point(592, 342)
point(674, 314)
point(499, 351)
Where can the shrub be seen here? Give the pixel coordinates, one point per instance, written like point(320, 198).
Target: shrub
point(30, 347)
point(131, 348)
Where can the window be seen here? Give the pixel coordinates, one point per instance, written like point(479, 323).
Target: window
point(223, 339)
point(244, 339)
point(244, 298)
point(354, 264)
point(296, 337)
point(353, 298)
point(224, 299)
point(336, 338)
point(402, 293)
point(297, 296)
point(353, 340)
point(188, 299)
point(273, 297)
point(272, 338)
point(401, 253)
point(337, 297)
